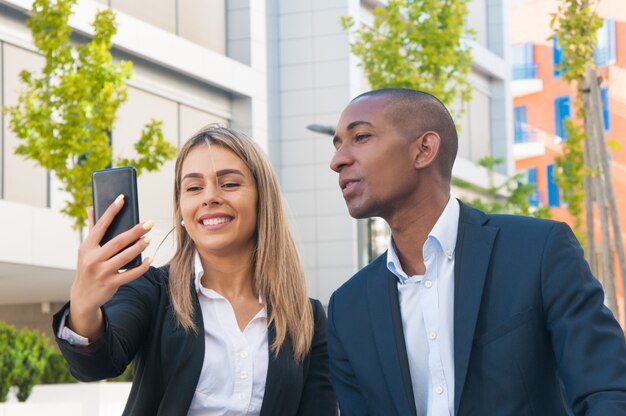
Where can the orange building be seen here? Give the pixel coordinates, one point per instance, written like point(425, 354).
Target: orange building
point(542, 101)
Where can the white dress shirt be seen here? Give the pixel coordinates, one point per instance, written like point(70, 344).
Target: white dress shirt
point(427, 308)
point(232, 381)
point(234, 370)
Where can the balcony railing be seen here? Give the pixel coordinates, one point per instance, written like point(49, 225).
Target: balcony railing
point(526, 71)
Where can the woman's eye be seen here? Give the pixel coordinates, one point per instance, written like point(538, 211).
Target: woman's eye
point(361, 136)
point(192, 189)
point(230, 185)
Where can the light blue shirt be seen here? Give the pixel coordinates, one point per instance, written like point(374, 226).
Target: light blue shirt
point(427, 308)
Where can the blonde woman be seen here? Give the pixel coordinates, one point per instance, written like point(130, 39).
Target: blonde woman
point(226, 328)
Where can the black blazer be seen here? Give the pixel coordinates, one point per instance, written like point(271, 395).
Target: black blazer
point(140, 327)
point(531, 333)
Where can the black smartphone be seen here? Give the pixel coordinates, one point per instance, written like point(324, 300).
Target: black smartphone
point(108, 184)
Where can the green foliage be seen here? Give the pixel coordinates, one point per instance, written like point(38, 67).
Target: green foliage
point(516, 201)
point(57, 370)
point(65, 113)
point(575, 26)
point(30, 354)
point(416, 44)
point(570, 176)
point(7, 364)
point(614, 145)
point(23, 357)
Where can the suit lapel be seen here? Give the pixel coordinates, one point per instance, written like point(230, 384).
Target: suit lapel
point(271, 397)
point(389, 337)
point(472, 257)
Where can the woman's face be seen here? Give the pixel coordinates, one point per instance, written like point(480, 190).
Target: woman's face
point(218, 201)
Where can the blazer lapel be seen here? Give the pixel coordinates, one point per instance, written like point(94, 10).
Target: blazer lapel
point(472, 256)
point(389, 337)
point(272, 395)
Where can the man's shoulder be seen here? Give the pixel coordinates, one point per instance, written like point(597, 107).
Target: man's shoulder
point(356, 284)
point(473, 215)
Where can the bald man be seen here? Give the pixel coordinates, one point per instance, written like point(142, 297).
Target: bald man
point(466, 313)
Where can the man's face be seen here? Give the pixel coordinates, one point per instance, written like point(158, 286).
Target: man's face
point(374, 159)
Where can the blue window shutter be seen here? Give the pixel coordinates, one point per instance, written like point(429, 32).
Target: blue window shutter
point(606, 115)
point(519, 122)
point(553, 189)
point(533, 198)
point(557, 56)
point(561, 112)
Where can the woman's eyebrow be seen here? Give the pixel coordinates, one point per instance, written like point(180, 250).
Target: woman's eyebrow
point(223, 172)
point(192, 175)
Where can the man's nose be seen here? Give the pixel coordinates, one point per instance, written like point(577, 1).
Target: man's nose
point(341, 158)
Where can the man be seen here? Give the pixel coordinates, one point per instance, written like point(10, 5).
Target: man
point(467, 313)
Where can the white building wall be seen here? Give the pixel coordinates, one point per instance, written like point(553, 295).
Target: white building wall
point(278, 66)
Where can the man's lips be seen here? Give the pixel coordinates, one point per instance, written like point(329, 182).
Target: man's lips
point(347, 185)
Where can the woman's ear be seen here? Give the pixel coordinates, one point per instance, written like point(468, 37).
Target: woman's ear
point(427, 149)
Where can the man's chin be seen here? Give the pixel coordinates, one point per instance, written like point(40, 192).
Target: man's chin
point(358, 212)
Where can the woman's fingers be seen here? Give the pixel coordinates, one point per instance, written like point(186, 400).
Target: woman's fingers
point(90, 219)
point(100, 227)
point(127, 253)
point(125, 240)
point(132, 274)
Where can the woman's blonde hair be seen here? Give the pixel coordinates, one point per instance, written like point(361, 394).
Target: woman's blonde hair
point(278, 275)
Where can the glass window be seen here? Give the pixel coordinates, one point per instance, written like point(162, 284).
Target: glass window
point(378, 237)
point(561, 112)
point(604, 54)
point(523, 61)
point(519, 123)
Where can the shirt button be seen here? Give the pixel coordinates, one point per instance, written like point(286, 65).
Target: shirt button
point(449, 253)
point(240, 396)
point(428, 284)
point(243, 375)
point(243, 354)
point(439, 390)
point(433, 335)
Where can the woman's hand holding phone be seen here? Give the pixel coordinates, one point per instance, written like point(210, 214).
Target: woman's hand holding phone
point(98, 274)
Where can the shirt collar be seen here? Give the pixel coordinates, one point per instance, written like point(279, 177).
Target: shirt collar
point(443, 232)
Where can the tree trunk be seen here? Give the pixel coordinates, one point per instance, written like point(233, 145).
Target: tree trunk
point(607, 274)
point(607, 175)
point(590, 252)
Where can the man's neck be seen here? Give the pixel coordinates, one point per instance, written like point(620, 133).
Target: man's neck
point(410, 229)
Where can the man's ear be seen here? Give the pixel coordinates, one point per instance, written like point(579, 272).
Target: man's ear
point(426, 149)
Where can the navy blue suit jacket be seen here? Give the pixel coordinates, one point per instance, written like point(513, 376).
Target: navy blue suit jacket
point(167, 361)
point(531, 333)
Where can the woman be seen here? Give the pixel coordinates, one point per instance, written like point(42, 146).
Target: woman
point(226, 327)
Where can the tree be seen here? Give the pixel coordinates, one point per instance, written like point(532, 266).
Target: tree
point(65, 114)
point(583, 172)
point(417, 44)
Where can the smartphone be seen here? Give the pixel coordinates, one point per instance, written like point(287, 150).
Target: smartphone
point(106, 185)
